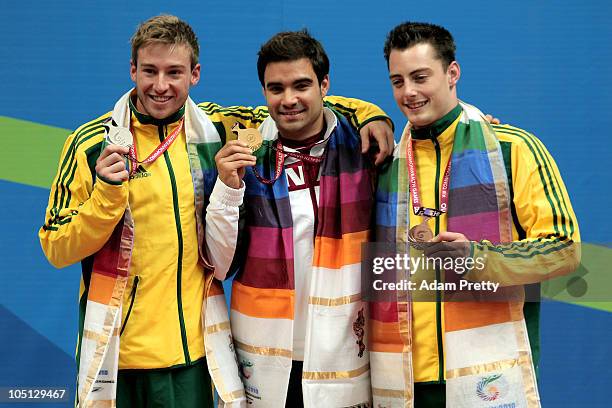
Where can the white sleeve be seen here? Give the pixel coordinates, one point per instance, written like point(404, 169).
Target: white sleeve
point(222, 216)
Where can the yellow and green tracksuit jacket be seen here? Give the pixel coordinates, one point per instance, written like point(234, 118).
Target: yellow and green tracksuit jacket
point(541, 210)
point(161, 321)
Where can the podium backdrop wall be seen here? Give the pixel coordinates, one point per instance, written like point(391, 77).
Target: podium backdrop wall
point(542, 66)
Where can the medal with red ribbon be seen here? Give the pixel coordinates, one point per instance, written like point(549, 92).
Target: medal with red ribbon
point(422, 233)
point(159, 150)
point(280, 162)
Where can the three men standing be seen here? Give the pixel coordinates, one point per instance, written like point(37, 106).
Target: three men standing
point(299, 321)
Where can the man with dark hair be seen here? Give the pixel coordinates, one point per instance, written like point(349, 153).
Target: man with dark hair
point(408, 34)
point(297, 315)
point(128, 202)
point(501, 202)
point(290, 47)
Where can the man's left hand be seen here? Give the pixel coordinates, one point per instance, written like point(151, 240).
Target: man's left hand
point(381, 132)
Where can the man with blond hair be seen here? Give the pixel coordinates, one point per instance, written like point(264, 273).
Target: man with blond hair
point(128, 203)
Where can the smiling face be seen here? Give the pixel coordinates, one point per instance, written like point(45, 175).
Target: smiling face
point(295, 98)
point(422, 88)
point(163, 76)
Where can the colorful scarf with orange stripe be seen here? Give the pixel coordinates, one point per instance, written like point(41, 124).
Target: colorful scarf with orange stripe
point(98, 352)
point(477, 375)
point(336, 365)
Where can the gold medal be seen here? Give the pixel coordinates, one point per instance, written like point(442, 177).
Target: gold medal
point(120, 136)
point(251, 137)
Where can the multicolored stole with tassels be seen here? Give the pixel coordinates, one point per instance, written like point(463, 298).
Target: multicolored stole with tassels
point(99, 345)
point(336, 362)
point(487, 354)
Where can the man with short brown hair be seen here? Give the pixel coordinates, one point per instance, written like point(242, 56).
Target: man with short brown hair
point(478, 191)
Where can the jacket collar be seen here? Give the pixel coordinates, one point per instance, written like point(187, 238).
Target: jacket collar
point(435, 129)
point(149, 120)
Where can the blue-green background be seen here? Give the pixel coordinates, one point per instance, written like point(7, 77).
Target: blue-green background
point(542, 66)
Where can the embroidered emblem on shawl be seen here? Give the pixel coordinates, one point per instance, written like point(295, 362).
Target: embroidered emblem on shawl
point(359, 330)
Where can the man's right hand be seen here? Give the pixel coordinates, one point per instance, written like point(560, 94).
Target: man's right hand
point(231, 162)
point(110, 166)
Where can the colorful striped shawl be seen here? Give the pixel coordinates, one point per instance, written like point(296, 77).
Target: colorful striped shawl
point(479, 207)
point(263, 292)
point(99, 345)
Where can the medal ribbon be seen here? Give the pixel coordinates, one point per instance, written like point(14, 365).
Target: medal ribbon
point(280, 162)
point(159, 150)
point(414, 187)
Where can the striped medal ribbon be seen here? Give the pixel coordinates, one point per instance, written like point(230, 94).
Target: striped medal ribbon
point(280, 162)
point(159, 150)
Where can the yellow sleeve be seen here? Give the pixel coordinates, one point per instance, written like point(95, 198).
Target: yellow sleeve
point(359, 113)
point(550, 241)
point(81, 214)
point(224, 117)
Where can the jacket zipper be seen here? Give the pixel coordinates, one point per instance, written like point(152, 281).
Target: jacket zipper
point(438, 274)
point(162, 130)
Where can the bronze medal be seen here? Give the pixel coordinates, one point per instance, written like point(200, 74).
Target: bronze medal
point(419, 234)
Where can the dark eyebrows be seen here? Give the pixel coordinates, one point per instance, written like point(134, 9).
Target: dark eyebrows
point(424, 70)
point(297, 82)
point(412, 73)
point(303, 81)
point(273, 84)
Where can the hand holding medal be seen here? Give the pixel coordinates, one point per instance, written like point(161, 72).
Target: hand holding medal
point(448, 244)
point(119, 136)
point(112, 164)
point(236, 155)
point(251, 137)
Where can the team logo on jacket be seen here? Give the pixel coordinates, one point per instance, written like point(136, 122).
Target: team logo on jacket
point(140, 173)
point(492, 387)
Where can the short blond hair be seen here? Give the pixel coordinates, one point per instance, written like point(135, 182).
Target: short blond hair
point(165, 29)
